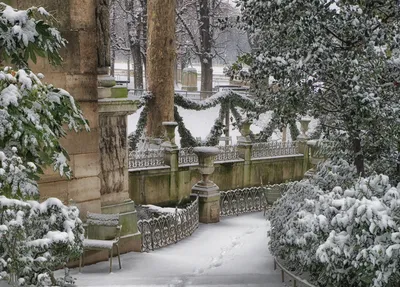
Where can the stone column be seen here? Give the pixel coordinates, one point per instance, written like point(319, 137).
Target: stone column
point(208, 191)
point(245, 148)
point(114, 167)
point(171, 150)
point(189, 79)
point(302, 142)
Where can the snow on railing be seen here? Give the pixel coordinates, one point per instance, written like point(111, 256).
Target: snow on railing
point(274, 148)
point(187, 156)
point(146, 158)
point(250, 199)
point(170, 228)
point(229, 153)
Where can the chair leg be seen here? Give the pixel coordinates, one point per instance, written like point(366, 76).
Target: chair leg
point(119, 258)
point(111, 256)
point(82, 261)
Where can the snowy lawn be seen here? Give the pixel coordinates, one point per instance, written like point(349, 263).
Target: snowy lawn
point(233, 252)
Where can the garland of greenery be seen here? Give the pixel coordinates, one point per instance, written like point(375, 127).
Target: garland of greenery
point(218, 128)
point(236, 100)
point(134, 137)
point(187, 140)
point(228, 101)
point(294, 131)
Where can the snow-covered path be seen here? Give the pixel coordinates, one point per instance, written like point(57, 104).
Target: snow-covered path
point(233, 252)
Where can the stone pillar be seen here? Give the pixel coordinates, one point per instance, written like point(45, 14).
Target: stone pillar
point(189, 79)
point(302, 143)
point(114, 167)
point(245, 148)
point(78, 75)
point(171, 150)
point(208, 191)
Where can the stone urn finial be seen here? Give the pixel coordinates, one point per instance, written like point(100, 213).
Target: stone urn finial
point(170, 134)
point(245, 132)
point(304, 122)
point(205, 189)
point(206, 157)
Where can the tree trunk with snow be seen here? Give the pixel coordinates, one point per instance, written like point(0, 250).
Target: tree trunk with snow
point(103, 35)
point(134, 34)
point(160, 64)
point(205, 46)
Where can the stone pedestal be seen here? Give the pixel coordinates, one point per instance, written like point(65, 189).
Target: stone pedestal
point(302, 143)
point(208, 191)
point(171, 150)
point(114, 175)
point(189, 79)
point(245, 146)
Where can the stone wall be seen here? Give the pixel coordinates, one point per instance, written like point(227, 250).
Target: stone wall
point(78, 75)
point(163, 187)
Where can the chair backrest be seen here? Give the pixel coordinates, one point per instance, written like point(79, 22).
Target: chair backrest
point(106, 226)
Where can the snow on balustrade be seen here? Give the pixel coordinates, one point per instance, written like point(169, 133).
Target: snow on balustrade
point(146, 158)
point(186, 156)
point(274, 148)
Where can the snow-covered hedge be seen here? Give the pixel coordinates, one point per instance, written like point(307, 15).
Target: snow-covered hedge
point(35, 239)
point(348, 235)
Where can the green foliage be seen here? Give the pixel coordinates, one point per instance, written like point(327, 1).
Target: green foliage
point(28, 34)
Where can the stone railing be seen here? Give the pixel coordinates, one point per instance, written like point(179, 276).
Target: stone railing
point(229, 153)
point(274, 148)
point(168, 229)
point(145, 159)
point(237, 201)
point(187, 156)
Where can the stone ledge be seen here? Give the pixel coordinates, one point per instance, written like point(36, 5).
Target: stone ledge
point(118, 106)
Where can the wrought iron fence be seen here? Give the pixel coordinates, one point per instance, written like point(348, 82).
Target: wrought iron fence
point(250, 199)
point(170, 228)
point(228, 153)
point(187, 156)
point(147, 158)
point(155, 158)
point(274, 148)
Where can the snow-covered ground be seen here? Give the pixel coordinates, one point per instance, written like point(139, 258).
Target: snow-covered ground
point(233, 252)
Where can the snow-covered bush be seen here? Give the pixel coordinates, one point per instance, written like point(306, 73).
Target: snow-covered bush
point(35, 238)
point(346, 236)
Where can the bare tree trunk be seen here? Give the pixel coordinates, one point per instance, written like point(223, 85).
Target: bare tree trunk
point(134, 34)
point(113, 37)
point(103, 32)
point(160, 64)
point(205, 43)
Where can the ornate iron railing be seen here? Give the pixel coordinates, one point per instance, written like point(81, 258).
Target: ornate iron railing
point(274, 148)
point(147, 158)
point(250, 199)
point(228, 153)
point(187, 156)
point(155, 158)
point(170, 228)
